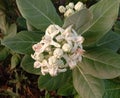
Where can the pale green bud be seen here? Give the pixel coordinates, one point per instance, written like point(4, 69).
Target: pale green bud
point(66, 47)
point(62, 9)
point(71, 5)
point(52, 60)
point(79, 6)
point(69, 12)
point(58, 52)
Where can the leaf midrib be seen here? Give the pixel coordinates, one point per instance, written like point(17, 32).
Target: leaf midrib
point(86, 80)
point(98, 18)
point(39, 11)
point(97, 60)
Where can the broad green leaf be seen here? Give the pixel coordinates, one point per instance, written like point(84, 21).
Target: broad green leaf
point(21, 23)
point(53, 83)
point(39, 13)
point(66, 89)
point(79, 20)
point(117, 27)
point(22, 42)
point(77, 96)
point(112, 89)
point(11, 31)
point(15, 60)
point(101, 63)
point(111, 41)
point(105, 13)
point(87, 86)
point(27, 64)
point(4, 52)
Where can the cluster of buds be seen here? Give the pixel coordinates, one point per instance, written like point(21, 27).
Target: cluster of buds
point(59, 49)
point(71, 8)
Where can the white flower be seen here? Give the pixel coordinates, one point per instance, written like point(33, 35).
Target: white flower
point(72, 63)
point(47, 41)
point(59, 48)
point(51, 31)
point(62, 9)
point(66, 47)
point(58, 53)
point(37, 47)
point(79, 6)
point(37, 56)
point(44, 67)
point(37, 64)
point(71, 5)
point(69, 12)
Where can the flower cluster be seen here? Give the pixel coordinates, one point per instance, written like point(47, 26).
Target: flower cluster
point(70, 8)
point(59, 48)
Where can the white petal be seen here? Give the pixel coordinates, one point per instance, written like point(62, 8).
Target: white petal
point(54, 44)
point(37, 64)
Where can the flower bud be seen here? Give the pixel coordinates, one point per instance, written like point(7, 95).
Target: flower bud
point(69, 12)
point(66, 47)
point(79, 6)
point(62, 9)
point(58, 52)
point(37, 64)
point(51, 29)
point(52, 60)
point(41, 57)
point(71, 5)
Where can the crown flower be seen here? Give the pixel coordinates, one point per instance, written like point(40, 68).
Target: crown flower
point(58, 50)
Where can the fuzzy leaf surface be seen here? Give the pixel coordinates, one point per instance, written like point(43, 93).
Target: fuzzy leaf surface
point(87, 86)
point(105, 13)
point(22, 42)
point(39, 13)
point(101, 63)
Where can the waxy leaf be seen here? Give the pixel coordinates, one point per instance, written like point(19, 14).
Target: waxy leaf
point(112, 89)
point(66, 89)
point(101, 63)
point(111, 41)
point(104, 13)
point(79, 20)
point(53, 83)
point(22, 42)
point(28, 63)
point(39, 13)
point(86, 85)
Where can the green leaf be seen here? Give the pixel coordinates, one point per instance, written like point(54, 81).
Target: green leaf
point(39, 13)
point(79, 19)
point(66, 89)
point(105, 13)
point(112, 89)
point(22, 42)
point(87, 86)
point(4, 52)
point(101, 63)
point(11, 31)
point(117, 26)
point(15, 60)
point(53, 83)
point(27, 64)
point(111, 41)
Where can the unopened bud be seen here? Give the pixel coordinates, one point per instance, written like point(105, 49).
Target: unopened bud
point(69, 12)
point(58, 52)
point(62, 9)
point(79, 6)
point(71, 5)
point(66, 47)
